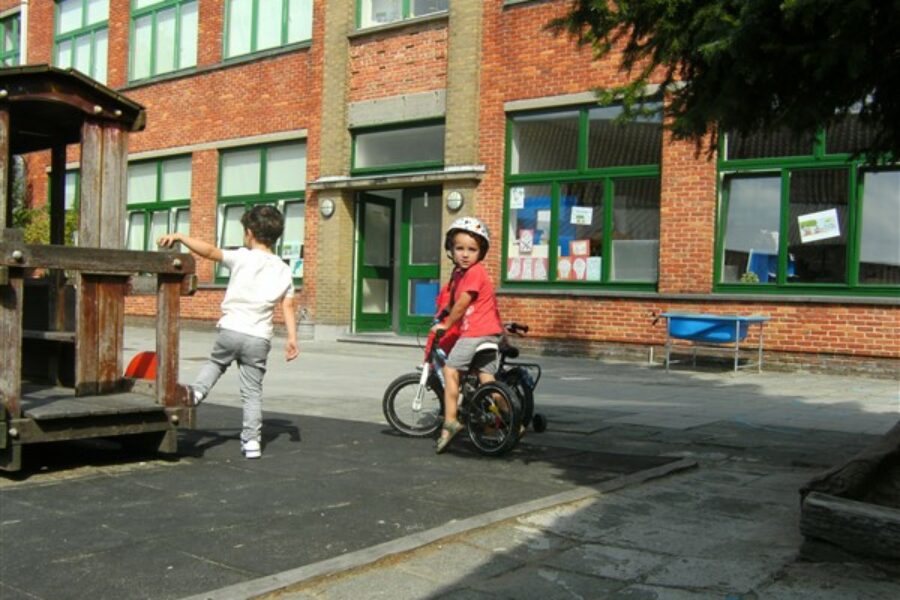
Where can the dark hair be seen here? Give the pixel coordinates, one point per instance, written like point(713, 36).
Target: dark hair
point(265, 222)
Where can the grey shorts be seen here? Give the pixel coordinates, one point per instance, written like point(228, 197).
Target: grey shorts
point(462, 356)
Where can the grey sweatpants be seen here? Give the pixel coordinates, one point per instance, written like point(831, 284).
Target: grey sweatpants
point(251, 353)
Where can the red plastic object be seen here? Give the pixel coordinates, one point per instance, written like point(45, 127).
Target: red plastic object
point(142, 366)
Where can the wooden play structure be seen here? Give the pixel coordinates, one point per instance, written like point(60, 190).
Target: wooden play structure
point(62, 307)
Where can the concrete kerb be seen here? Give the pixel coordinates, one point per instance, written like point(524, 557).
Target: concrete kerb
point(294, 579)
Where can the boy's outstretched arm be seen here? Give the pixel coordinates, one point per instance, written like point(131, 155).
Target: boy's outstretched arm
point(291, 350)
point(198, 247)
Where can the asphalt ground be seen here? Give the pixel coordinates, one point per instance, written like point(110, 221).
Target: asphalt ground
point(339, 507)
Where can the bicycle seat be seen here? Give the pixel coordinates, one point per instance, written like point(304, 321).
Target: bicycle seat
point(485, 346)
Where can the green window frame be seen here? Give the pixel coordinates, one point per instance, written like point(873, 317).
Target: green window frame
point(372, 13)
point(412, 146)
point(270, 174)
point(81, 36)
point(802, 215)
point(258, 25)
point(9, 50)
point(164, 35)
point(159, 200)
point(581, 199)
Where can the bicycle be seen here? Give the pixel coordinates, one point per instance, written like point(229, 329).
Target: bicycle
point(521, 377)
point(413, 404)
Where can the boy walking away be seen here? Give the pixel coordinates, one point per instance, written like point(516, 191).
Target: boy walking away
point(259, 280)
point(473, 305)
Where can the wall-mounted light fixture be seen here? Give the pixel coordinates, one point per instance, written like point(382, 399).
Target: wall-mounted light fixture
point(455, 200)
point(326, 207)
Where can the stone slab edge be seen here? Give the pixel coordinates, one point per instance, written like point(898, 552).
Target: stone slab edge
point(353, 560)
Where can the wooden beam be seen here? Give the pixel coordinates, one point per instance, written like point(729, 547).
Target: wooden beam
point(860, 527)
point(11, 343)
point(167, 341)
point(113, 190)
point(90, 224)
point(94, 260)
point(5, 174)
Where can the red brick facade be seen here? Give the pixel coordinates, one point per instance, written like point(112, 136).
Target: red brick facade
point(520, 60)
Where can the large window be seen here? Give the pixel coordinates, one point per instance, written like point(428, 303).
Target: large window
point(9, 47)
point(159, 199)
point(254, 25)
point(273, 175)
point(582, 202)
point(163, 37)
point(799, 214)
point(410, 147)
point(82, 36)
point(381, 12)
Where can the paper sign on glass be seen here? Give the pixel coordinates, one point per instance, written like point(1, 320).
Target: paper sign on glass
point(594, 268)
point(819, 225)
point(516, 198)
point(580, 247)
point(582, 215)
point(543, 220)
point(526, 241)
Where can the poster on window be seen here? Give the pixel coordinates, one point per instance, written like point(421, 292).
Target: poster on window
point(516, 198)
point(819, 226)
point(572, 268)
point(582, 215)
point(526, 241)
point(526, 268)
point(580, 247)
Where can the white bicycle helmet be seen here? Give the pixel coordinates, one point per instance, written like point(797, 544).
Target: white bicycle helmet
point(469, 225)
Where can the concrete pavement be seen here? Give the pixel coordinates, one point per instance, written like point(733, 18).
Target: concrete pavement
point(725, 529)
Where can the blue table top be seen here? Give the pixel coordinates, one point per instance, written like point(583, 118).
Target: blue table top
point(711, 317)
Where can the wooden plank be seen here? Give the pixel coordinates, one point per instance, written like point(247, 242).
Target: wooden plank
point(5, 166)
point(111, 331)
point(86, 335)
point(167, 341)
point(113, 190)
point(52, 336)
point(862, 528)
point(70, 406)
point(11, 341)
point(95, 260)
point(90, 224)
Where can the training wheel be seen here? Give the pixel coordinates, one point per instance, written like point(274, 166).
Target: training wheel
point(539, 422)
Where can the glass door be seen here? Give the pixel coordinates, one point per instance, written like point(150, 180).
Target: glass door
point(421, 249)
point(375, 257)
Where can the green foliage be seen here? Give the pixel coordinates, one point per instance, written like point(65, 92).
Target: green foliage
point(749, 65)
point(35, 223)
point(749, 277)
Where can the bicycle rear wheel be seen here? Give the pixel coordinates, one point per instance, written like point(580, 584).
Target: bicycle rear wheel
point(519, 381)
point(493, 418)
point(400, 410)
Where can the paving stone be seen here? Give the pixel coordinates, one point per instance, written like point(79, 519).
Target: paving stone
point(651, 592)
point(548, 584)
point(826, 581)
point(521, 541)
point(374, 585)
point(725, 576)
point(608, 562)
point(446, 563)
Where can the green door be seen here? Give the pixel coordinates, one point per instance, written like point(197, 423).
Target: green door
point(421, 249)
point(375, 257)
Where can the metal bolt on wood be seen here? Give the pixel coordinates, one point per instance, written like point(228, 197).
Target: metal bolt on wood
point(176, 263)
point(17, 255)
point(13, 432)
point(98, 109)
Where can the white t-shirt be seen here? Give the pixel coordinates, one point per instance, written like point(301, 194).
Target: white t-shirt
point(259, 280)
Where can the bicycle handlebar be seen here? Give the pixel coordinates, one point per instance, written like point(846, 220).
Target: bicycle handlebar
point(516, 328)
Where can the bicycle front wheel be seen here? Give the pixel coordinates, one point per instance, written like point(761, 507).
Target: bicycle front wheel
point(416, 417)
point(494, 417)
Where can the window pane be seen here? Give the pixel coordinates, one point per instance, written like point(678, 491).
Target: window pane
point(612, 144)
point(82, 60)
point(143, 31)
point(183, 221)
point(145, 3)
point(818, 225)
point(848, 136)
point(425, 229)
point(135, 237)
point(378, 240)
point(547, 142)
point(300, 16)
point(268, 24)
point(165, 41)
point(159, 226)
point(71, 189)
point(879, 252)
point(292, 244)
point(635, 236)
point(187, 48)
point(142, 182)
point(400, 146)
point(70, 16)
point(240, 20)
point(97, 11)
point(64, 54)
point(176, 179)
point(422, 297)
point(232, 232)
point(751, 230)
point(377, 12)
point(286, 168)
point(768, 144)
point(240, 173)
point(426, 7)
point(580, 232)
point(529, 233)
point(100, 55)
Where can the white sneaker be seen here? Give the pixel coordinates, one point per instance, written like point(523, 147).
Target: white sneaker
point(195, 396)
point(251, 449)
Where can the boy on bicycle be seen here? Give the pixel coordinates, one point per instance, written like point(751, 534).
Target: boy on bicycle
point(473, 305)
point(258, 281)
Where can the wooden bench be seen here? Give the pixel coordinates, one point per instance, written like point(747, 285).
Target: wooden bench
point(714, 331)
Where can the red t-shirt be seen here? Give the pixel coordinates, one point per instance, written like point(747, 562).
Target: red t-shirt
point(482, 317)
